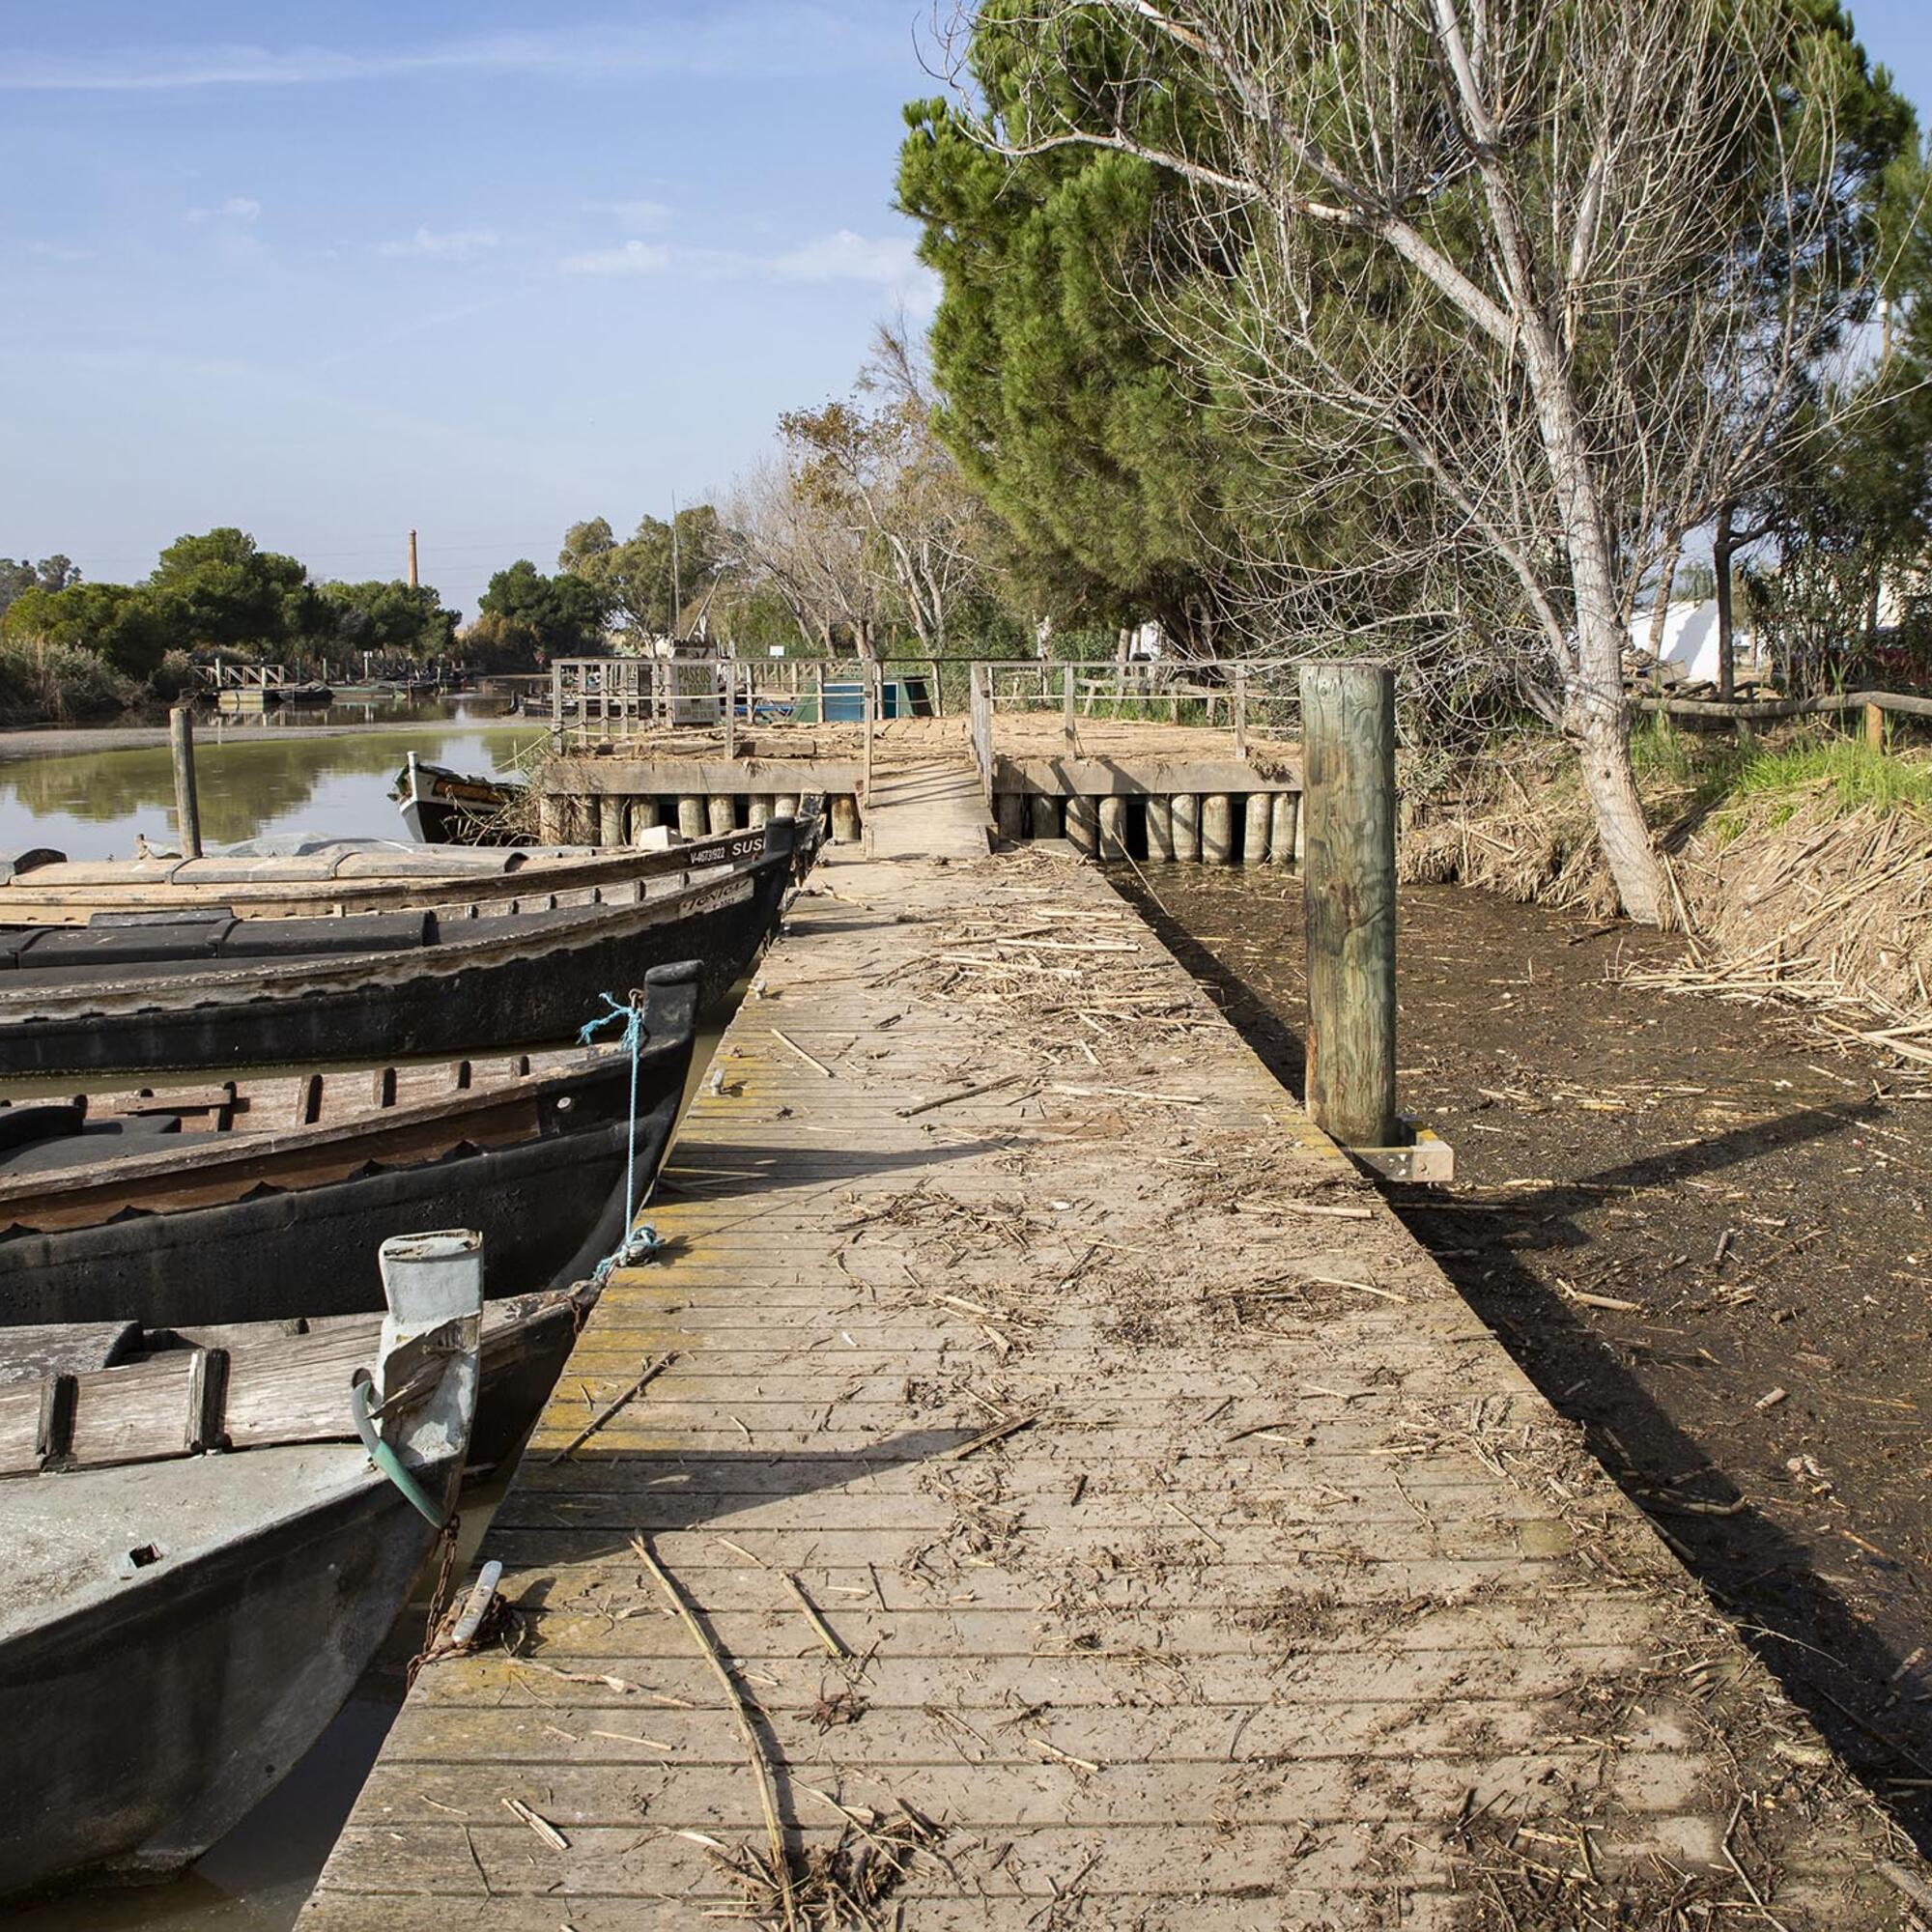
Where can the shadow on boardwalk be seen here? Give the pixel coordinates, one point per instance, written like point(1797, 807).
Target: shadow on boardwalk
point(1507, 1256)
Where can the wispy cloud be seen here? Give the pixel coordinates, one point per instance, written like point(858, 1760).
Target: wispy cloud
point(239, 208)
point(448, 245)
point(887, 262)
point(633, 214)
point(436, 322)
point(847, 257)
point(59, 251)
point(759, 37)
point(629, 258)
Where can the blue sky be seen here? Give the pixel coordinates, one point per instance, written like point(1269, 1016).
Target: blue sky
point(329, 272)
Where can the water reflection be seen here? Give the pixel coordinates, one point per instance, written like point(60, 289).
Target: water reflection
point(90, 805)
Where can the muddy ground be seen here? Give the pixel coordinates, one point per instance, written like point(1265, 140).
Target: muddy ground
point(1749, 1209)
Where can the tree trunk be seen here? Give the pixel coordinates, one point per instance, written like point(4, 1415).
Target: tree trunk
point(1595, 715)
point(1660, 606)
point(1723, 547)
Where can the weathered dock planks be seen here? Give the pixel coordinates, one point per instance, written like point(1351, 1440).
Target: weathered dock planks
point(1110, 1516)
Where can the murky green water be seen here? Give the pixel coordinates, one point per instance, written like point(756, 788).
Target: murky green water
point(254, 777)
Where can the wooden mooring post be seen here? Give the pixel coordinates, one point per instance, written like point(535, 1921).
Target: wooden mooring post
point(187, 803)
point(1348, 717)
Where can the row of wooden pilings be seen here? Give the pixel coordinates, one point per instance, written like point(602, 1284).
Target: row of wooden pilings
point(618, 819)
point(1214, 828)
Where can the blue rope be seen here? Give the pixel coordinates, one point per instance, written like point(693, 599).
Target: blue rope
point(634, 1244)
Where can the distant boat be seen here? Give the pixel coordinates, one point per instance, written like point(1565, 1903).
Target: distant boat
point(440, 806)
point(203, 989)
point(256, 1200)
point(175, 1634)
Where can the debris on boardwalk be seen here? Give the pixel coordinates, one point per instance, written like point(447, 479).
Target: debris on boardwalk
point(1077, 1504)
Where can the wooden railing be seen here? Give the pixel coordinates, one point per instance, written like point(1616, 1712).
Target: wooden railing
point(619, 698)
point(628, 696)
point(1875, 705)
point(222, 675)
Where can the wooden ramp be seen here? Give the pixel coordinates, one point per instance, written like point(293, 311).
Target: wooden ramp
point(1108, 1513)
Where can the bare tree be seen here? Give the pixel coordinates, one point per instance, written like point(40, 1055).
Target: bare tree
point(811, 556)
point(1556, 275)
point(862, 519)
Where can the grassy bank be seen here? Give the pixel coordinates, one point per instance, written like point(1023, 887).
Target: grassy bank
point(1801, 865)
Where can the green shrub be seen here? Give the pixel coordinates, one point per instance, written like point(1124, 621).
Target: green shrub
point(58, 684)
point(174, 677)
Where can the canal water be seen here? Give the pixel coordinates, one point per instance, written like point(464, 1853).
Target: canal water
point(331, 770)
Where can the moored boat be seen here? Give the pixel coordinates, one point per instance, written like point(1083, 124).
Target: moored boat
point(283, 878)
point(165, 990)
point(175, 1634)
point(256, 1200)
point(78, 1395)
point(441, 807)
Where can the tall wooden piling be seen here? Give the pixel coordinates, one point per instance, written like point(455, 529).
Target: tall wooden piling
point(187, 801)
point(759, 815)
point(610, 821)
point(846, 819)
point(1259, 819)
point(692, 821)
point(1009, 810)
point(645, 814)
point(1045, 813)
point(1347, 720)
point(1069, 732)
point(1217, 829)
point(785, 805)
point(1113, 827)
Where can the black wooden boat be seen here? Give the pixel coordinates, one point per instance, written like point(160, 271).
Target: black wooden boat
point(264, 1200)
point(441, 807)
point(295, 878)
point(175, 1634)
point(141, 992)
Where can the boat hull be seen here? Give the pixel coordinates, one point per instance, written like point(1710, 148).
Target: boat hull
point(440, 806)
point(530, 991)
point(136, 1731)
point(548, 1209)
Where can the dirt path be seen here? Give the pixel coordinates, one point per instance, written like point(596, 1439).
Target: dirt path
point(1747, 1211)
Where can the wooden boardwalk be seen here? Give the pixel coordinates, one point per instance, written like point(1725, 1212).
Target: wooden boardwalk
point(1109, 1514)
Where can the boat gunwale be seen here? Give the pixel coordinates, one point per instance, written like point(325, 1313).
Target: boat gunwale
point(230, 1147)
point(265, 981)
